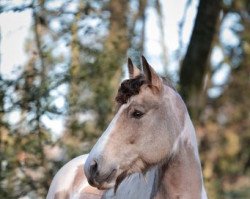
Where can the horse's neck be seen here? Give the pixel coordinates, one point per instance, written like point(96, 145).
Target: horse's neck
point(181, 177)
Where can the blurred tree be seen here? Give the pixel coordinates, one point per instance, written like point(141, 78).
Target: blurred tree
point(75, 72)
point(94, 50)
point(4, 139)
point(76, 52)
point(225, 123)
point(110, 61)
point(195, 62)
point(137, 18)
point(24, 164)
point(91, 95)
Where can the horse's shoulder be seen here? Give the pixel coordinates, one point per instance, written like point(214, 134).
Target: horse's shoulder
point(71, 182)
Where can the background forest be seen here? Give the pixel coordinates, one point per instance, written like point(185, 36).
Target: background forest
point(55, 105)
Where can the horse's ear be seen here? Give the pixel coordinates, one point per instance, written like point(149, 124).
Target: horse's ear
point(132, 70)
point(151, 75)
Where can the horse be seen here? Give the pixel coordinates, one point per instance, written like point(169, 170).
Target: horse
point(148, 151)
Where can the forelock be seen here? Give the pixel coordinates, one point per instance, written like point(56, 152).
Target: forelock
point(129, 88)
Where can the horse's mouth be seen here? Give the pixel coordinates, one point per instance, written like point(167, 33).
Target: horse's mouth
point(113, 180)
point(106, 181)
point(110, 176)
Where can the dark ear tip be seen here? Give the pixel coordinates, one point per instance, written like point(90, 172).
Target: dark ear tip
point(144, 61)
point(129, 60)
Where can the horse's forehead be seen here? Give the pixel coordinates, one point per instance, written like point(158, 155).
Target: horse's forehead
point(148, 94)
point(144, 99)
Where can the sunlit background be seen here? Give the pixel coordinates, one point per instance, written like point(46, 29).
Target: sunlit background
point(62, 62)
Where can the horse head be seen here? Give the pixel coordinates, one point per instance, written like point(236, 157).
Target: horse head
point(143, 132)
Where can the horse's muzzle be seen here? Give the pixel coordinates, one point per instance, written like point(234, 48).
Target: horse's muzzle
point(98, 177)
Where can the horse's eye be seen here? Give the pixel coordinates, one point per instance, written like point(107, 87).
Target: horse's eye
point(137, 114)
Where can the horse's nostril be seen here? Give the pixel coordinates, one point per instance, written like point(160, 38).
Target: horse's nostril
point(93, 168)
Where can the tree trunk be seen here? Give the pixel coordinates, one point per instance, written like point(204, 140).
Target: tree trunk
point(195, 63)
point(111, 60)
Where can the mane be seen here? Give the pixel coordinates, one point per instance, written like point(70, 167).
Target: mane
point(131, 87)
